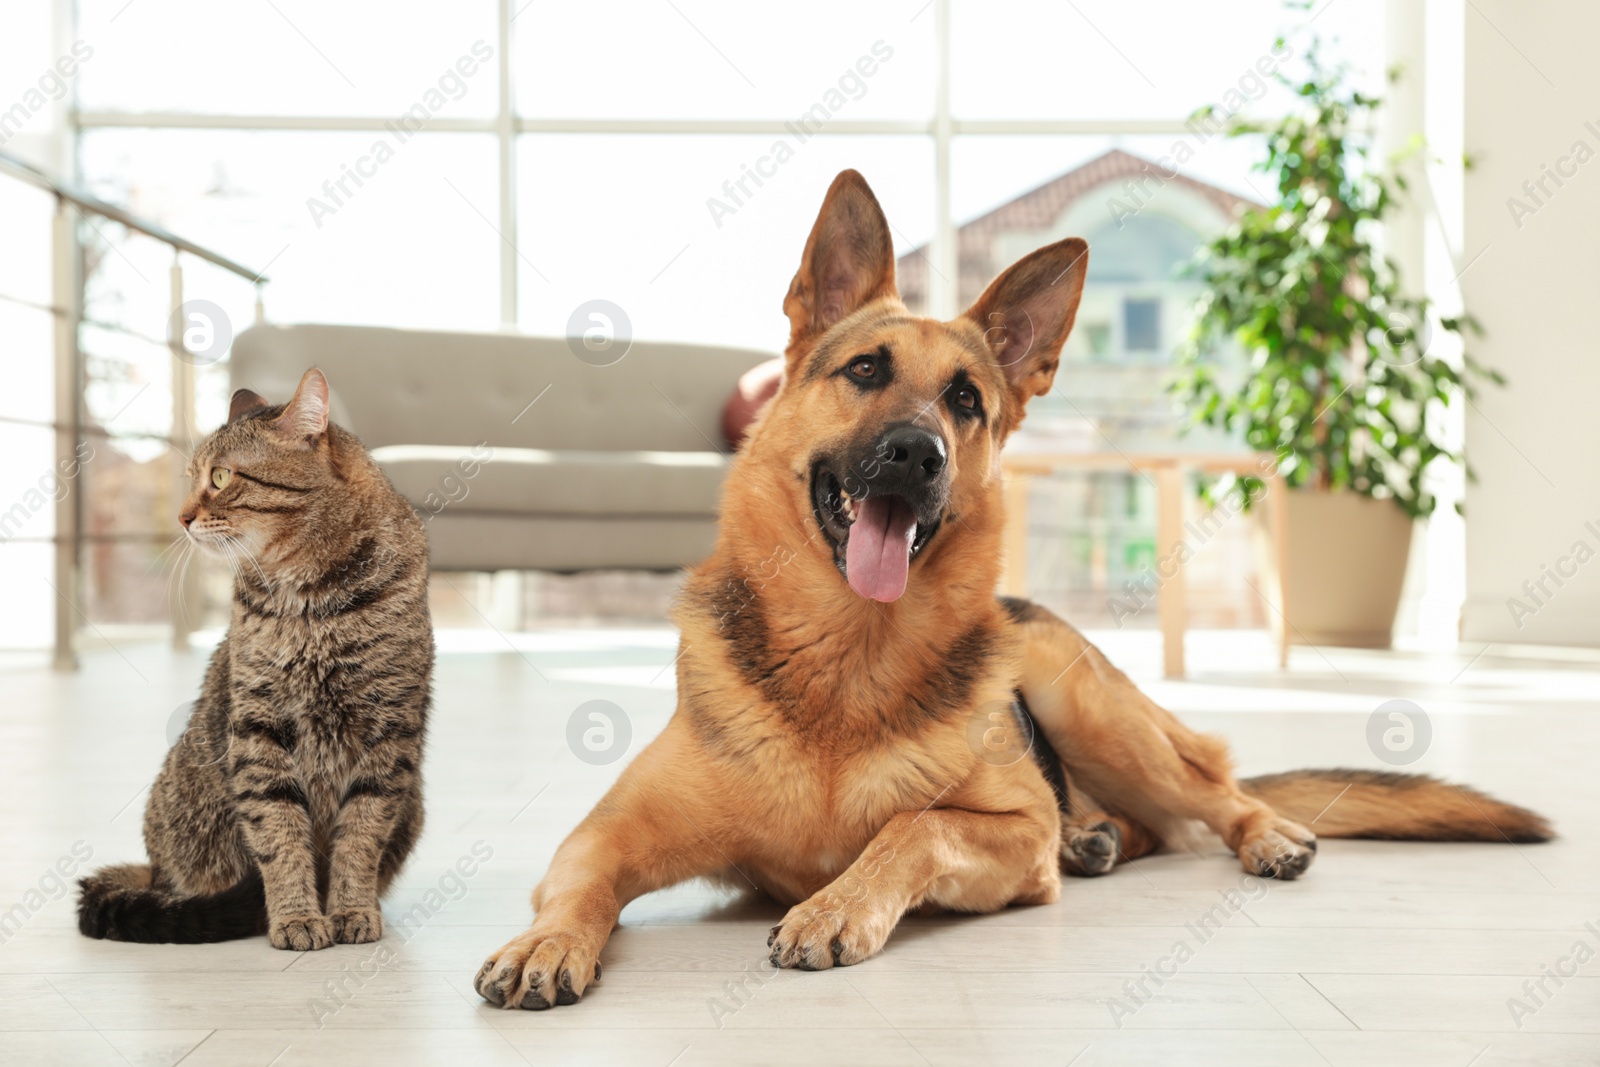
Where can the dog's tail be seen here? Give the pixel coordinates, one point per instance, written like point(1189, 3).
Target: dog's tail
point(1394, 807)
point(122, 904)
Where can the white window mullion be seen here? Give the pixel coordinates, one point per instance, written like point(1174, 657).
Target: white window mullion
point(943, 289)
point(506, 133)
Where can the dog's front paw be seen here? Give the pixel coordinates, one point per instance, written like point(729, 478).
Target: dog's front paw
point(356, 926)
point(537, 970)
point(820, 933)
point(300, 933)
point(1282, 850)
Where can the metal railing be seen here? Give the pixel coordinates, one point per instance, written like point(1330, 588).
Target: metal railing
point(69, 422)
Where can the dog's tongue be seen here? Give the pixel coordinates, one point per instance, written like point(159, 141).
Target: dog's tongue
point(878, 553)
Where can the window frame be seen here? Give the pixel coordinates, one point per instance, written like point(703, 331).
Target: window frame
point(507, 126)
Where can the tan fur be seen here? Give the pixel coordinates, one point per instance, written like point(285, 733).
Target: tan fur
point(824, 747)
point(1404, 807)
point(1141, 765)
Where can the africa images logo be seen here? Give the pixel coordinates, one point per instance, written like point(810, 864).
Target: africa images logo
point(852, 85)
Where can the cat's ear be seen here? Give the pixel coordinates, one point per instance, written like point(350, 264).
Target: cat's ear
point(243, 403)
point(306, 416)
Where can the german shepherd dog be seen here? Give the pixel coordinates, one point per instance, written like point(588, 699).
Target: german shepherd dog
point(855, 706)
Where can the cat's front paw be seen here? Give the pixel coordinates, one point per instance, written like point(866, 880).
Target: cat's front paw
point(356, 926)
point(300, 933)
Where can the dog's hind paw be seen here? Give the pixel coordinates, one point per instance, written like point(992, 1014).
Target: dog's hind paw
point(1283, 851)
point(1088, 851)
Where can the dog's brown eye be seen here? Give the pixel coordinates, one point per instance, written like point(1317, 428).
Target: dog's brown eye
point(967, 398)
point(864, 368)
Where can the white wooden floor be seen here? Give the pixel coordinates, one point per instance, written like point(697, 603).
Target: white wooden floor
point(1384, 953)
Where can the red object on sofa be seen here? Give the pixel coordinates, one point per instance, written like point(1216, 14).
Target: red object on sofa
point(756, 386)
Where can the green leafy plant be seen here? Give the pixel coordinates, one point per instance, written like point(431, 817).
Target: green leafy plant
point(1340, 380)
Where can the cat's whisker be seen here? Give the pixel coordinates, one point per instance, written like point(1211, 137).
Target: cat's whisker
point(244, 552)
point(169, 562)
point(161, 556)
point(240, 557)
point(183, 584)
point(176, 566)
point(231, 560)
point(230, 555)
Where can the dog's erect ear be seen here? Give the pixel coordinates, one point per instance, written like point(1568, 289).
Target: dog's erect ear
point(244, 402)
point(1027, 312)
point(848, 262)
point(307, 414)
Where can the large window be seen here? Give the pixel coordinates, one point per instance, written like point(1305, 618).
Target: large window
point(495, 163)
point(534, 155)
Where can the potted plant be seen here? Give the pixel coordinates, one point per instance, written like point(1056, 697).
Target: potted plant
point(1338, 380)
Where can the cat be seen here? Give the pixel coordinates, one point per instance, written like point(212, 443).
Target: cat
point(294, 796)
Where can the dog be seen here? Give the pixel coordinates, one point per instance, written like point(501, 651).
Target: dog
point(856, 708)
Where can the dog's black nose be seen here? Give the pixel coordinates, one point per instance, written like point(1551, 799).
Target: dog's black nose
point(913, 453)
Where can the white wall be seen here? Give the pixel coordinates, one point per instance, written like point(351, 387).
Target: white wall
point(1531, 85)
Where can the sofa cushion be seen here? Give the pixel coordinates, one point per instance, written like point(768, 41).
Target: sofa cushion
point(410, 387)
point(534, 481)
point(567, 543)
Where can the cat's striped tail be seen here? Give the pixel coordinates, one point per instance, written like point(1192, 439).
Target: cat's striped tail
point(120, 904)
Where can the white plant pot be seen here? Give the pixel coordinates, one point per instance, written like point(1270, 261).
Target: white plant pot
point(1347, 564)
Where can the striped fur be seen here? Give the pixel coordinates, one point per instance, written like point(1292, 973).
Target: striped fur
point(295, 794)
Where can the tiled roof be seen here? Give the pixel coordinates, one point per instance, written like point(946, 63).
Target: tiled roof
point(1038, 209)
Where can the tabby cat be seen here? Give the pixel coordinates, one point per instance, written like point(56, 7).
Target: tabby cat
point(294, 796)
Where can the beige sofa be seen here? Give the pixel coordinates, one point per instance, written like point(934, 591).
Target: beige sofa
point(521, 455)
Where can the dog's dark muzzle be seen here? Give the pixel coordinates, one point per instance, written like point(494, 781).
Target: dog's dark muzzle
point(906, 464)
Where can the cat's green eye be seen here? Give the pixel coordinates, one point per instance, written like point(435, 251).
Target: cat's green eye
point(220, 476)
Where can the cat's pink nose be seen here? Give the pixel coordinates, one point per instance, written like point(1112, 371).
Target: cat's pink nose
point(186, 517)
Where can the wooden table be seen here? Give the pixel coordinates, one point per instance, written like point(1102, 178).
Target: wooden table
point(1171, 470)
